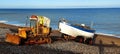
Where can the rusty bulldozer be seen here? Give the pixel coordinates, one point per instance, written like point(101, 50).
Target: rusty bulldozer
point(37, 33)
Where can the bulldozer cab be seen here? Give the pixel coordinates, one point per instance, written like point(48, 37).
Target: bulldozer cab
point(39, 25)
point(33, 23)
point(33, 26)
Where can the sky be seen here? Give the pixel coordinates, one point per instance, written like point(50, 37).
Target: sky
point(59, 3)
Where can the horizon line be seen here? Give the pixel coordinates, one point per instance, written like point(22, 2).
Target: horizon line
point(62, 8)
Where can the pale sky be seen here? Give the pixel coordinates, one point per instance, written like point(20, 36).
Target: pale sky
point(59, 3)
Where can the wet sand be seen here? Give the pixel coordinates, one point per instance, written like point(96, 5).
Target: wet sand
point(103, 44)
point(107, 40)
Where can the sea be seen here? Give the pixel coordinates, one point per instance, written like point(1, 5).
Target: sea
point(103, 20)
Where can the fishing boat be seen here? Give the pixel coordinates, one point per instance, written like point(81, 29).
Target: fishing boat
point(75, 30)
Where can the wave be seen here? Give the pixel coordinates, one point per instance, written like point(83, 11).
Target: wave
point(3, 21)
point(16, 24)
point(114, 35)
point(19, 24)
point(105, 34)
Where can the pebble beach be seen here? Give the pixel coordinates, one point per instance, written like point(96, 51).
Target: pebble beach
point(103, 45)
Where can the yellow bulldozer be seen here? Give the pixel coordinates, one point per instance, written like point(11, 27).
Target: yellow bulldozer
point(37, 33)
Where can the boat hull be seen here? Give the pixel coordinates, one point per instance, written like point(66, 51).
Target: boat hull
point(72, 31)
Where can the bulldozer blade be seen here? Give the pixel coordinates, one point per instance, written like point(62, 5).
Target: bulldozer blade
point(14, 39)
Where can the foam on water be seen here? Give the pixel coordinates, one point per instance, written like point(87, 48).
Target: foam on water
point(3, 21)
point(19, 24)
point(105, 34)
point(118, 36)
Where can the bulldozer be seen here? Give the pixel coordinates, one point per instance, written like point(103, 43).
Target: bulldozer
point(38, 32)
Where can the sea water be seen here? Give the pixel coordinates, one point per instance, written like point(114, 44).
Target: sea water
point(104, 20)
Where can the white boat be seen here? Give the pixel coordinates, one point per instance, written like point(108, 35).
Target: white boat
point(75, 30)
